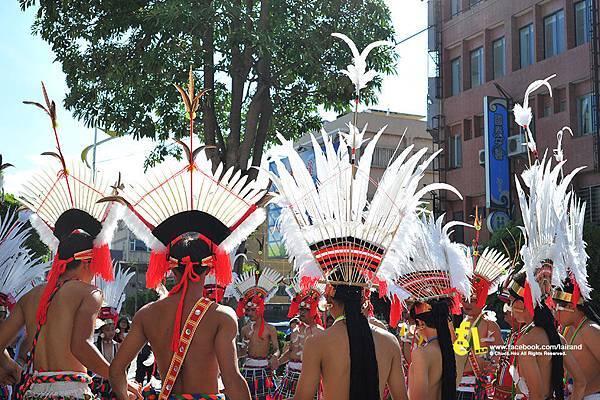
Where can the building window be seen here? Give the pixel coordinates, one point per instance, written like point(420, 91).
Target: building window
point(584, 113)
point(554, 34)
point(455, 151)
point(477, 67)
point(467, 129)
point(545, 105)
point(382, 156)
point(582, 22)
point(499, 58)
point(478, 122)
point(454, 7)
point(526, 46)
point(456, 86)
point(459, 230)
point(275, 246)
point(560, 100)
point(474, 2)
point(591, 196)
point(137, 245)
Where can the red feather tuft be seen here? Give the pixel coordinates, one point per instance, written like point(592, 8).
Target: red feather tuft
point(307, 282)
point(294, 306)
point(527, 299)
point(576, 292)
point(480, 287)
point(395, 311)
point(239, 311)
point(101, 263)
point(157, 268)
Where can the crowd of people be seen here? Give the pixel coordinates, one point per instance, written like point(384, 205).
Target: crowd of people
point(350, 241)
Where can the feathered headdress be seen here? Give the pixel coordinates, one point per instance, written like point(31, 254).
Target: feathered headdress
point(217, 292)
point(308, 298)
point(187, 200)
point(18, 268)
point(433, 267)
point(254, 289)
point(65, 200)
point(577, 289)
point(490, 267)
point(114, 295)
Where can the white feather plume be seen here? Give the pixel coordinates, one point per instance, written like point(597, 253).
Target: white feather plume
point(18, 268)
point(114, 292)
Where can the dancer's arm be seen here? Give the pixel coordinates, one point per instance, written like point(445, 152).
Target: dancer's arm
point(311, 370)
point(129, 349)
point(9, 330)
point(418, 376)
point(225, 349)
point(82, 349)
point(575, 372)
point(396, 378)
point(275, 345)
point(530, 372)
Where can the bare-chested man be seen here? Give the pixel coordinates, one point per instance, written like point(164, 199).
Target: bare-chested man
point(539, 374)
point(261, 349)
point(478, 367)
point(503, 380)
point(582, 329)
point(62, 353)
point(309, 316)
point(353, 359)
point(211, 349)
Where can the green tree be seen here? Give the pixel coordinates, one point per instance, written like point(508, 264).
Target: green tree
point(141, 298)
point(268, 65)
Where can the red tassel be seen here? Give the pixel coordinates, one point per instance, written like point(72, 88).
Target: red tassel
point(158, 266)
point(383, 289)
point(395, 312)
point(188, 275)
point(550, 303)
point(58, 268)
point(294, 308)
point(241, 305)
point(481, 287)
point(260, 312)
point(576, 293)
point(101, 263)
point(527, 298)
point(269, 382)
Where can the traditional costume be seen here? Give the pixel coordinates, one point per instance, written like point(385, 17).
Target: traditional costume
point(217, 292)
point(254, 289)
point(310, 299)
point(333, 234)
point(490, 267)
point(188, 201)
point(545, 212)
point(64, 201)
point(18, 269)
point(113, 294)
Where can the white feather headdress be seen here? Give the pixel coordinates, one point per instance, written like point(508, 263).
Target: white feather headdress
point(490, 267)
point(434, 266)
point(114, 292)
point(18, 268)
point(330, 230)
point(248, 284)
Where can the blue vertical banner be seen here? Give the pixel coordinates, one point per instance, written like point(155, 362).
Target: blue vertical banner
point(497, 175)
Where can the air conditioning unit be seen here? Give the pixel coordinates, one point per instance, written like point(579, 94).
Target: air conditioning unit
point(482, 157)
point(516, 146)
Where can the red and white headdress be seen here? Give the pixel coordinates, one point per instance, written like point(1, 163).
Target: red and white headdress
point(432, 267)
point(331, 231)
point(114, 295)
point(490, 267)
point(254, 289)
point(64, 199)
point(310, 298)
point(217, 208)
point(18, 268)
point(215, 291)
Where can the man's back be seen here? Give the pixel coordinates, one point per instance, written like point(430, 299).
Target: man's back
point(53, 350)
point(200, 368)
point(333, 348)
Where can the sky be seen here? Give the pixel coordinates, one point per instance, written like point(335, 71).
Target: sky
point(26, 60)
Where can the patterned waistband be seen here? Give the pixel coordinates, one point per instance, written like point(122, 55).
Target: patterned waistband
point(218, 396)
point(67, 376)
point(295, 366)
point(257, 363)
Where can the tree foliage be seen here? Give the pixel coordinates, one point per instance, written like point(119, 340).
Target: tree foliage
point(269, 65)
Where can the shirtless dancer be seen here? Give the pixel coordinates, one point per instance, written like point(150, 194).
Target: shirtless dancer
point(582, 329)
point(540, 376)
point(61, 314)
point(306, 306)
point(259, 339)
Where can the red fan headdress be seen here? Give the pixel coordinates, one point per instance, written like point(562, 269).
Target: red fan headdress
point(65, 201)
point(308, 298)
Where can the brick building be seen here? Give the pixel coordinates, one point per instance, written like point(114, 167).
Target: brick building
point(497, 48)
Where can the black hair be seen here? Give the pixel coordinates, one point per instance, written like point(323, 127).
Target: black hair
point(121, 320)
point(364, 373)
point(193, 247)
point(73, 244)
point(438, 318)
point(542, 318)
